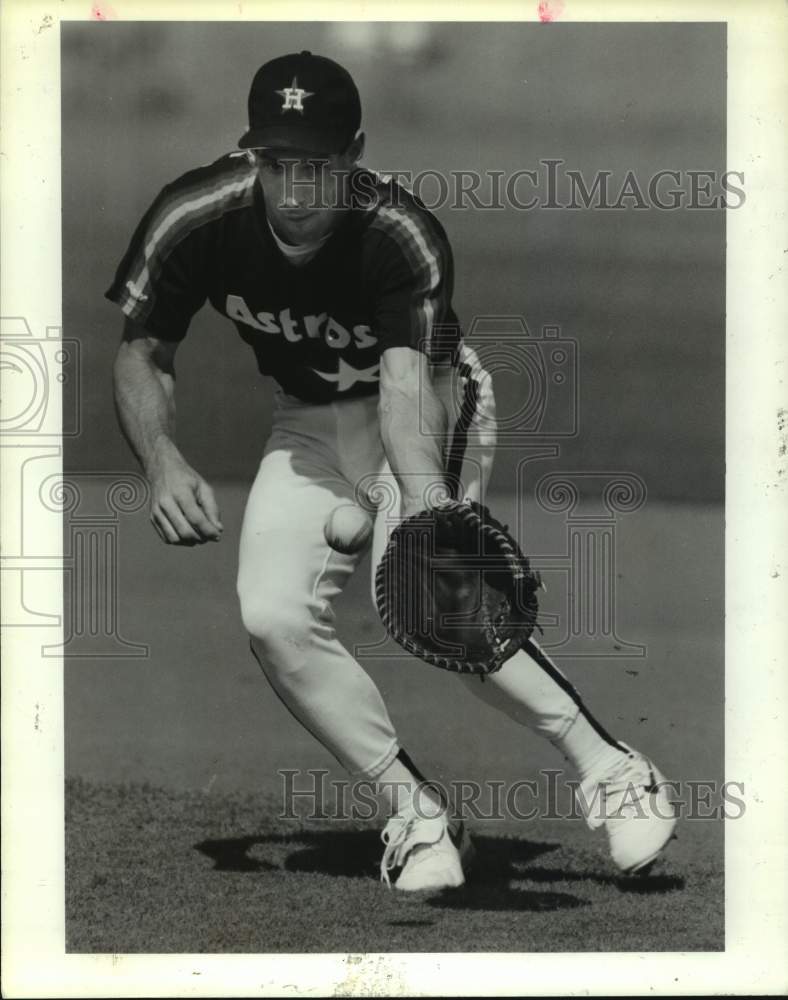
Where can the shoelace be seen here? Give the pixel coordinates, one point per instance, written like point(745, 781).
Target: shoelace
point(394, 836)
point(617, 794)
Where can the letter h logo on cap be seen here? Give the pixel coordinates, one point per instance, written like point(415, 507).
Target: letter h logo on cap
point(294, 96)
point(302, 102)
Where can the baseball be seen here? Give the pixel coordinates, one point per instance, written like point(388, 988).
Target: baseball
point(348, 528)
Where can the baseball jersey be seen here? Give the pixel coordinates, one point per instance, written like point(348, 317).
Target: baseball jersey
point(383, 279)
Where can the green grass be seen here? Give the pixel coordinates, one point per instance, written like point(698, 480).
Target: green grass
point(150, 870)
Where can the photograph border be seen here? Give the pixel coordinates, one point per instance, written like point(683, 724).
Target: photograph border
point(33, 933)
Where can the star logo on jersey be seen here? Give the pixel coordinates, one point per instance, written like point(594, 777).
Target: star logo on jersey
point(294, 97)
point(346, 375)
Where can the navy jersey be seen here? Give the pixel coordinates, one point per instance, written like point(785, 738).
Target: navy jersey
point(383, 279)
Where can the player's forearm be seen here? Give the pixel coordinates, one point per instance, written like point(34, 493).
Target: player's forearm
point(145, 400)
point(183, 507)
point(413, 428)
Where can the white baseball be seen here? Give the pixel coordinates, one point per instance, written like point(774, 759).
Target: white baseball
point(348, 528)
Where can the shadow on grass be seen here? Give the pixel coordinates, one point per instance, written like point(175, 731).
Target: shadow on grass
point(232, 855)
point(492, 882)
point(644, 884)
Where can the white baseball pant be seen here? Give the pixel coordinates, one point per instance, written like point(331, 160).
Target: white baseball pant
point(317, 457)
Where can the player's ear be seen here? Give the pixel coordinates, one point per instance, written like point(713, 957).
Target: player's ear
point(355, 150)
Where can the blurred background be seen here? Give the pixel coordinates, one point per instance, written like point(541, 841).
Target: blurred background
point(641, 291)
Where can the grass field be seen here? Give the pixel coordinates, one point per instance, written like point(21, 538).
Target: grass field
point(155, 871)
point(173, 841)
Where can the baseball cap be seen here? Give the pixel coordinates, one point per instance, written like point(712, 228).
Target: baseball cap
point(302, 101)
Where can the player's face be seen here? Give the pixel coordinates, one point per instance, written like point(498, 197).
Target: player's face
point(304, 192)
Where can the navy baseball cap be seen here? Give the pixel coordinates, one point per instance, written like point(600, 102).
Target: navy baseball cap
point(302, 101)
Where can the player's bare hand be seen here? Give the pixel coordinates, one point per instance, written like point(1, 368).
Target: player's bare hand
point(183, 506)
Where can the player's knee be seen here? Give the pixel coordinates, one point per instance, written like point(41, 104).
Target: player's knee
point(271, 623)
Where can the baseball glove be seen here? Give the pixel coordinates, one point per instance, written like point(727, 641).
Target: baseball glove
point(454, 589)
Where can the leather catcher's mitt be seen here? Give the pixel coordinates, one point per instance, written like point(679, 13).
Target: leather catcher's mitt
point(454, 589)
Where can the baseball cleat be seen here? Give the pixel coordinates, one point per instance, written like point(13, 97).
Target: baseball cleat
point(631, 802)
point(428, 851)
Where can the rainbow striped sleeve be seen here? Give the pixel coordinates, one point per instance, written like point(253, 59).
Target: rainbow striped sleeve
point(162, 279)
point(414, 277)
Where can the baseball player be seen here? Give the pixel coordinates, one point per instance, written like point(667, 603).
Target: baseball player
point(341, 283)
